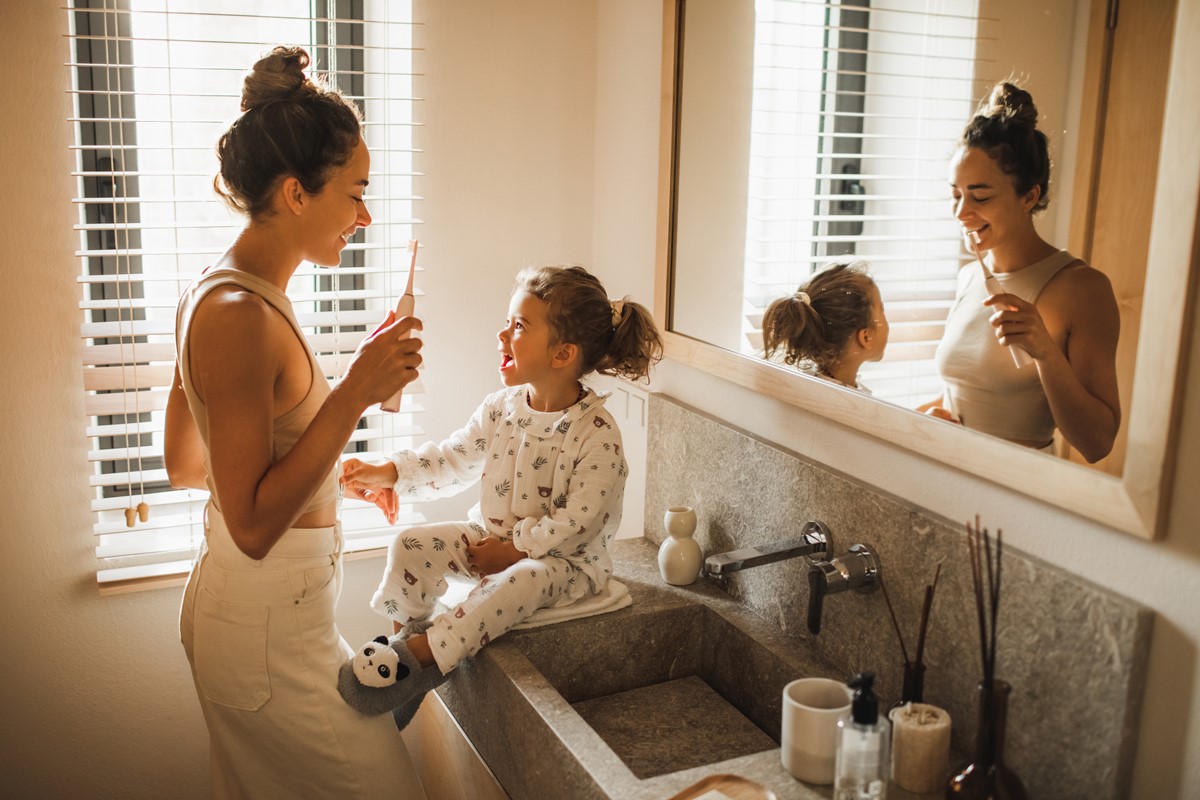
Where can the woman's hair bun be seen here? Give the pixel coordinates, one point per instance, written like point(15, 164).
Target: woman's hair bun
point(1011, 103)
point(276, 76)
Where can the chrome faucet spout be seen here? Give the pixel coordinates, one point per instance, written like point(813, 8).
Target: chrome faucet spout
point(814, 542)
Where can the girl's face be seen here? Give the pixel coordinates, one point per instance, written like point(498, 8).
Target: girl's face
point(527, 343)
point(878, 330)
point(336, 212)
point(985, 199)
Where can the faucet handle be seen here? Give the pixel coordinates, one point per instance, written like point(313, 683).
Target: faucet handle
point(858, 569)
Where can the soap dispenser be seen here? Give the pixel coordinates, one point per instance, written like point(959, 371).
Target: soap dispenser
point(861, 772)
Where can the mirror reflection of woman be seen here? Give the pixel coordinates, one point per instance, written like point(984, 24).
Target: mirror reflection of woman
point(829, 326)
point(1053, 306)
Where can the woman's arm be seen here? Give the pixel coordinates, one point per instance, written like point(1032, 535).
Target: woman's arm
point(183, 452)
point(1080, 377)
point(239, 345)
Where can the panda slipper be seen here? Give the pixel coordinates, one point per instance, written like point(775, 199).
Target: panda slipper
point(384, 675)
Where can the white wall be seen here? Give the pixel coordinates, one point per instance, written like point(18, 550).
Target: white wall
point(551, 158)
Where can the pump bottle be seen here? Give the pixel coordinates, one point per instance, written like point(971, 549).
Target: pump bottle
point(861, 772)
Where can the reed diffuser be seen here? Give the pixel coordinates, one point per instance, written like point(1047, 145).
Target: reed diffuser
point(913, 686)
point(987, 776)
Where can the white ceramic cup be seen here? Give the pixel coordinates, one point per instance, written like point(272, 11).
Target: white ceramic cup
point(811, 710)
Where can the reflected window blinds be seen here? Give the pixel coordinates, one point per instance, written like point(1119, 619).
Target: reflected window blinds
point(857, 106)
point(154, 84)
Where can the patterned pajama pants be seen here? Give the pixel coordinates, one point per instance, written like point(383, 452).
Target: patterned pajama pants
point(421, 558)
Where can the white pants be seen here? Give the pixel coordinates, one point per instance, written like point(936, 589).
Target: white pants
point(265, 652)
point(421, 557)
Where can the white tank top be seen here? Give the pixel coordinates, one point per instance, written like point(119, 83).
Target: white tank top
point(984, 388)
point(286, 428)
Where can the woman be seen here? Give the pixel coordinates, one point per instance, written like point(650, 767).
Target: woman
point(1052, 306)
point(252, 419)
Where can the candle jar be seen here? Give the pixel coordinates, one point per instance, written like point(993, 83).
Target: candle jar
point(987, 777)
point(920, 747)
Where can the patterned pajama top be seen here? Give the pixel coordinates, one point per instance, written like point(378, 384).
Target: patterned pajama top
point(551, 481)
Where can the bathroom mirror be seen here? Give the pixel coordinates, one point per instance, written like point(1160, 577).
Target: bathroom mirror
point(708, 194)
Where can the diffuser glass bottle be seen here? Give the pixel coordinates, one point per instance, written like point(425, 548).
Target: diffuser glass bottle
point(987, 777)
point(861, 772)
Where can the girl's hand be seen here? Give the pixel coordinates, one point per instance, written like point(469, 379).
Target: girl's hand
point(385, 362)
point(1019, 324)
point(492, 555)
point(373, 484)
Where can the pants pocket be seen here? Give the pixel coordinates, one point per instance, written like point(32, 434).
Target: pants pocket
point(231, 652)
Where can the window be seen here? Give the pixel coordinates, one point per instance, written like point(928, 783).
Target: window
point(856, 108)
point(155, 83)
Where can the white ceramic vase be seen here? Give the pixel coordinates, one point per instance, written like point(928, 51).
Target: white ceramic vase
point(679, 556)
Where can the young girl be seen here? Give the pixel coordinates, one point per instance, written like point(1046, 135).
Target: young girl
point(830, 326)
point(552, 476)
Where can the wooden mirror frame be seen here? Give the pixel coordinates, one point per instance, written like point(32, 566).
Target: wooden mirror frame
point(1135, 502)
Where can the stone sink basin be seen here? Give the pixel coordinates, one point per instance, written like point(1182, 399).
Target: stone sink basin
point(638, 703)
point(674, 689)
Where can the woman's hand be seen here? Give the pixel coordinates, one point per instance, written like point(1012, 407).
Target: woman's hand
point(493, 555)
point(934, 408)
point(1018, 323)
point(373, 484)
point(385, 362)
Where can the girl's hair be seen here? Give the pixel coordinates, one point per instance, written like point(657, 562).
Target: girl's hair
point(291, 125)
point(1005, 127)
point(815, 323)
point(614, 337)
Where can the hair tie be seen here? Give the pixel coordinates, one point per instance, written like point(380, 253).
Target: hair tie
point(618, 308)
point(804, 298)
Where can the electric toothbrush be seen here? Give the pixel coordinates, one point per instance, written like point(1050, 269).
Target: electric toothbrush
point(1019, 356)
point(405, 307)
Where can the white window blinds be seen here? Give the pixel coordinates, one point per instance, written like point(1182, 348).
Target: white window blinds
point(857, 106)
point(155, 83)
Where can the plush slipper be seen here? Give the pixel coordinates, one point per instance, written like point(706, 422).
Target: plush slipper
point(384, 675)
point(405, 713)
point(415, 627)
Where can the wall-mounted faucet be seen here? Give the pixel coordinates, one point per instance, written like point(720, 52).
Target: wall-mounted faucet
point(859, 569)
point(813, 542)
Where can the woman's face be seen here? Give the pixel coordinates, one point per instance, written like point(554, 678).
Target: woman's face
point(338, 211)
point(986, 201)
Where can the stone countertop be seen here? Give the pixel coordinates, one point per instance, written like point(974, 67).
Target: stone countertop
point(539, 745)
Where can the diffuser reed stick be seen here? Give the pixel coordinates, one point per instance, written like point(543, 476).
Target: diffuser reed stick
point(913, 669)
point(987, 597)
point(929, 590)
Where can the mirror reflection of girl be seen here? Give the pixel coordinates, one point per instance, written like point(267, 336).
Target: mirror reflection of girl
point(1055, 307)
point(830, 325)
point(547, 457)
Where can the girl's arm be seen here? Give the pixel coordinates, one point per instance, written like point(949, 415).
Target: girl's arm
point(183, 451)
point(443, 469)
point(238, 344)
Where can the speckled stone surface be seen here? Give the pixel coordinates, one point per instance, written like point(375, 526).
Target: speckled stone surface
point(667, 727)
point(517, 699)
point(1074, 652)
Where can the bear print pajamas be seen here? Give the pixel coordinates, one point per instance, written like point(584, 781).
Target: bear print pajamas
point(551, 482)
